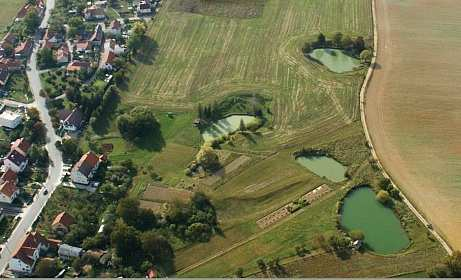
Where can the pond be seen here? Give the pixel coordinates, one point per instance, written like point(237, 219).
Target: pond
point(382, 229)
point(226, 126)
point(324, 167)
point(335, 60)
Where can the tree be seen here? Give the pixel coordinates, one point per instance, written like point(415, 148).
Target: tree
point(31, 22)
point(125, 240)
point(45, 58)
point(366, 56)
point(128, 209)
point(356, 235)
point(239, 272)
point(46, 268)
point(321, 40)
point(208, 158)
point(242, 126)
point(199, 232)
point(137, 123)
point(156, 248)
point(137, 37)
point(383, 197)
point(347, 43)
point(338, 39)
point(70, 149)
point(8, 50)
point(76, 26)
point(146, 219)
point(307, 48)
point(262, 265)
point(359, 44)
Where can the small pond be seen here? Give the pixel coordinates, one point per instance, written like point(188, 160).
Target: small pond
point(226, 126)
point(382, 229)
point(335, 60)
point(324, 167)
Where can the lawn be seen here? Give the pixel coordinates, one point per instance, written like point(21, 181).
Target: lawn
point(9, 10)
point(18, 88)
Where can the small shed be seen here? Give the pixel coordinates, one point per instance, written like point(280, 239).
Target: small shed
point(67, 252)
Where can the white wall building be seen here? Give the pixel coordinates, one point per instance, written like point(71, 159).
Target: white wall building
point(10, 119)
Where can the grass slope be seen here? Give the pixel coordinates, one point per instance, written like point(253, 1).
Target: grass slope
point(9, 10)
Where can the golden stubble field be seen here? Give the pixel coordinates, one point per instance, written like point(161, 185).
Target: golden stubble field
point(414, 106)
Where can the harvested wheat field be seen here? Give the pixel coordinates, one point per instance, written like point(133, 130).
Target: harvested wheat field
point(413, 106)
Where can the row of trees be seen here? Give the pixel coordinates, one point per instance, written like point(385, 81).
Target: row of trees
point(354, 46)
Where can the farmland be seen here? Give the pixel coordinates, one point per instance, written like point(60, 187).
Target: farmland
point(9, 10)
point(207, 55)
point(412, 117)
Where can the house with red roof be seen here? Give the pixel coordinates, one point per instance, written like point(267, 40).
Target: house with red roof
point(115, 28)
point(78, 65)
point(62, 54)
point(16, 159)
point(11, 65)
point(24, 49)
point(62, 222)
point(94, 13)
point(84, 170)
point(107, 60)
point(24, 259)
point(8, 192)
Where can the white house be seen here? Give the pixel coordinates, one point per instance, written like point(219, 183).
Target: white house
point(144, 8)
point(115, 28)
point(94, 13)
point(26, 256)
point(111, 45)
point(16, 159)
point(107, 60)
point(10, 119)
point(84, 170)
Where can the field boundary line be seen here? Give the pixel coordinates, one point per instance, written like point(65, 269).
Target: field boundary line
point(363, 91)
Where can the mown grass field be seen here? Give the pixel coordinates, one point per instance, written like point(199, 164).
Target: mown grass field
point(7, 13)
point(192, 58)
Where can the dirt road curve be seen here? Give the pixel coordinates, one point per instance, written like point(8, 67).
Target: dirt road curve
point(413, 106)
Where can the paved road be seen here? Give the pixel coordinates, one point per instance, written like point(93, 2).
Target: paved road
point(56, 168)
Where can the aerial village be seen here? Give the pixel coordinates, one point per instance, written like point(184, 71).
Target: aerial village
point(81, 49)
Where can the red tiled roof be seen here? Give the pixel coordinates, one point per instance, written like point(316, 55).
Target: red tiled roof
point(64, 219)
point(28, 247)
point(21, 145)
point(9, 176)
point(8, 188)
point(115, 24)
point(24, 46)
point(77, 65)
point(87, 163)
point(108, 57)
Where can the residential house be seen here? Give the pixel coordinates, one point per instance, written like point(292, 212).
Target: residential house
point(24, 259)
point(78, 65)
point(107, 60)
point(9, 176)
point(115, 28)
point(83, 46)
point(94, 13)
point(4, 76)
point(47, 45)
point(11, 65)
point(71, 121)
point(84, 170)
point(144, 8)
point(101, 4)
point(97, 38)
point(112, 46)
point(62, 222)
point(10, 39)
point(67, 252)
point(16, 159)
point(62, 54)
point(39, 8)
point(53, 38)
point(8, 118)
point(24, 49)
point(8, 191)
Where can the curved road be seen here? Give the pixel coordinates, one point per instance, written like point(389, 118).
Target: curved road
point(56, 167)
point(413, 107)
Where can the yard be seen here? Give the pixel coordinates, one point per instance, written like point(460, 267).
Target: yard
point(18, 88)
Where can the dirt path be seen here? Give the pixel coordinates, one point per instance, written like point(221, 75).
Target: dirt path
point(412, 106)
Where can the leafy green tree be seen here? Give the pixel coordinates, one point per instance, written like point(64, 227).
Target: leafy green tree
point(45, 58)
point(199, 232)
point(31, 22)
point(46, 268)
point(449, 268)
point(338, 39)
point(321, 40)
point(356, 235)
point(158, 250)
point(128, 209)
point(137, 123)
point(366, 56)
point(125, 240)
point(239, 272)
point(208, 158)
point(383, 197)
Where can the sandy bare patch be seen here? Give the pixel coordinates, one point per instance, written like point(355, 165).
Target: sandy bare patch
point(163, 194)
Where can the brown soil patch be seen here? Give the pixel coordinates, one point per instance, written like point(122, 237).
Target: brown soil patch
point(413, 106)
point(163, 194)
point(224, 8)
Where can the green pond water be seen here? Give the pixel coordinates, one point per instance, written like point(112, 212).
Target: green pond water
point(226, 126)
point(324, 167)
point(335, 60)
point(382, 229)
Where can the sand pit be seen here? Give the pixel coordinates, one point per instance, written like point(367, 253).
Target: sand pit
point(413, 106)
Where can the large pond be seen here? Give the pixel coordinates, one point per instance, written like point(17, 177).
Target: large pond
point(335, 60)
point(226, 126)
point(324, 167)
point(382, 229)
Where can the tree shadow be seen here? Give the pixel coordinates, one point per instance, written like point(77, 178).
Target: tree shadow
point(148, 53)
point(151, 140)
point(102, 126)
